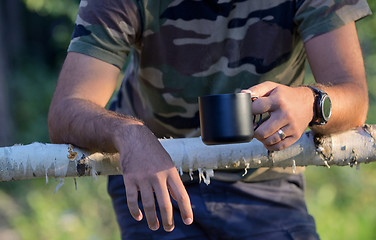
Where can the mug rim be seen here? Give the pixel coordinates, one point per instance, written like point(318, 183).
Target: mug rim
point(220, 95)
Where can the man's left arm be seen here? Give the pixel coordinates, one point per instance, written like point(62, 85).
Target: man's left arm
point(337, 65)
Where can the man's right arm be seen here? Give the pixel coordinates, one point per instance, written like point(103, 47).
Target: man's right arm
point(77, 116)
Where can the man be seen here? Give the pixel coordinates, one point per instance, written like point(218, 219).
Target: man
point(179, 50)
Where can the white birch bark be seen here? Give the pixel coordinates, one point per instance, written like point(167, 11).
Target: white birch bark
point(38, 160)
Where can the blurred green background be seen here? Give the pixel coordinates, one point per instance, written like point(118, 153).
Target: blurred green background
point(34, 35)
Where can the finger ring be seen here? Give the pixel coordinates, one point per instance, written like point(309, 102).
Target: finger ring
point(281, 134)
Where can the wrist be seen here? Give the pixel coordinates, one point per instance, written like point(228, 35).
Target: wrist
point(309, 100)
point(322, 107)
point(126, 135)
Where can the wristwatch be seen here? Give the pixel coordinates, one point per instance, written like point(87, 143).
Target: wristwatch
point(322, 107)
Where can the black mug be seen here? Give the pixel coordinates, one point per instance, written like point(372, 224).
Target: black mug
point(226, 118)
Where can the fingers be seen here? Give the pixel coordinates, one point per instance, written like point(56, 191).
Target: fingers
point(281, 139)
point(289, 108)
point(148, 203)
point(165, 207)
point(268, 99)
point(153, 179)
point(275, 138)
point(262, 89)
point(288, 141)
point(276, 121)
point(147, 198)
point(132, 202)
point(263, 104)
point(159, 188)
point(181, 196)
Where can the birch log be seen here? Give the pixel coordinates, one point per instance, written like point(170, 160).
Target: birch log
point(39, 160)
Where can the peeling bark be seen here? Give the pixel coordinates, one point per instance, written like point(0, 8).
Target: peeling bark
point(39, 160)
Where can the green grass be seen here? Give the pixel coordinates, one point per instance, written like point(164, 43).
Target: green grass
point(30, 210)
point(342, 201)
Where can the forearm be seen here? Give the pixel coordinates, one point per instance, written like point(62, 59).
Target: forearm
point(88, 125)
point(349, 106)
point(337, 65)
point(77, 116)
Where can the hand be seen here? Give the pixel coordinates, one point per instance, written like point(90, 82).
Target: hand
point(290, 109)
point(148, 168)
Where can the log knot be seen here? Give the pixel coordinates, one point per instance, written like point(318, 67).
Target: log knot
point(82, 166)
point(324, 148)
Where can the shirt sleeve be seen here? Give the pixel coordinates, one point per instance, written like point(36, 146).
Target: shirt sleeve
point(106, 30)
point(314, 17)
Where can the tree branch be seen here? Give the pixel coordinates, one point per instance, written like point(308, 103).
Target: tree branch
point(38, 160)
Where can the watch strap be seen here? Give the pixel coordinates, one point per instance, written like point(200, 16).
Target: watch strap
point(318, 118)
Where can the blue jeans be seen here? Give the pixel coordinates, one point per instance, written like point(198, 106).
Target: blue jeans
point(272, 209)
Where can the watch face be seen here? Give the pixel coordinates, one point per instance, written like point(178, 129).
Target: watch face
point(326, 108)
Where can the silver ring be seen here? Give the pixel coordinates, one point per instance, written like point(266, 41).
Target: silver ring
point(281, 134)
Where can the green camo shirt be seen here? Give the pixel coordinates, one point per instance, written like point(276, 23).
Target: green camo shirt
point(177, 50)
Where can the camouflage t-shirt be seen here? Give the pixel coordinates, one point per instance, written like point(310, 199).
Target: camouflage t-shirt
point(177, 50)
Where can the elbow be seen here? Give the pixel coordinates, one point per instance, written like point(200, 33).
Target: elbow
point(362, 118)
point(358, 104)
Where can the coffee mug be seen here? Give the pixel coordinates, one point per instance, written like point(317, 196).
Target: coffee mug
point(226, 118)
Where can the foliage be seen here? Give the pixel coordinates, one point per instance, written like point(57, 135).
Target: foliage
point(38, 83)
point(340, 198)
point(53, 7)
